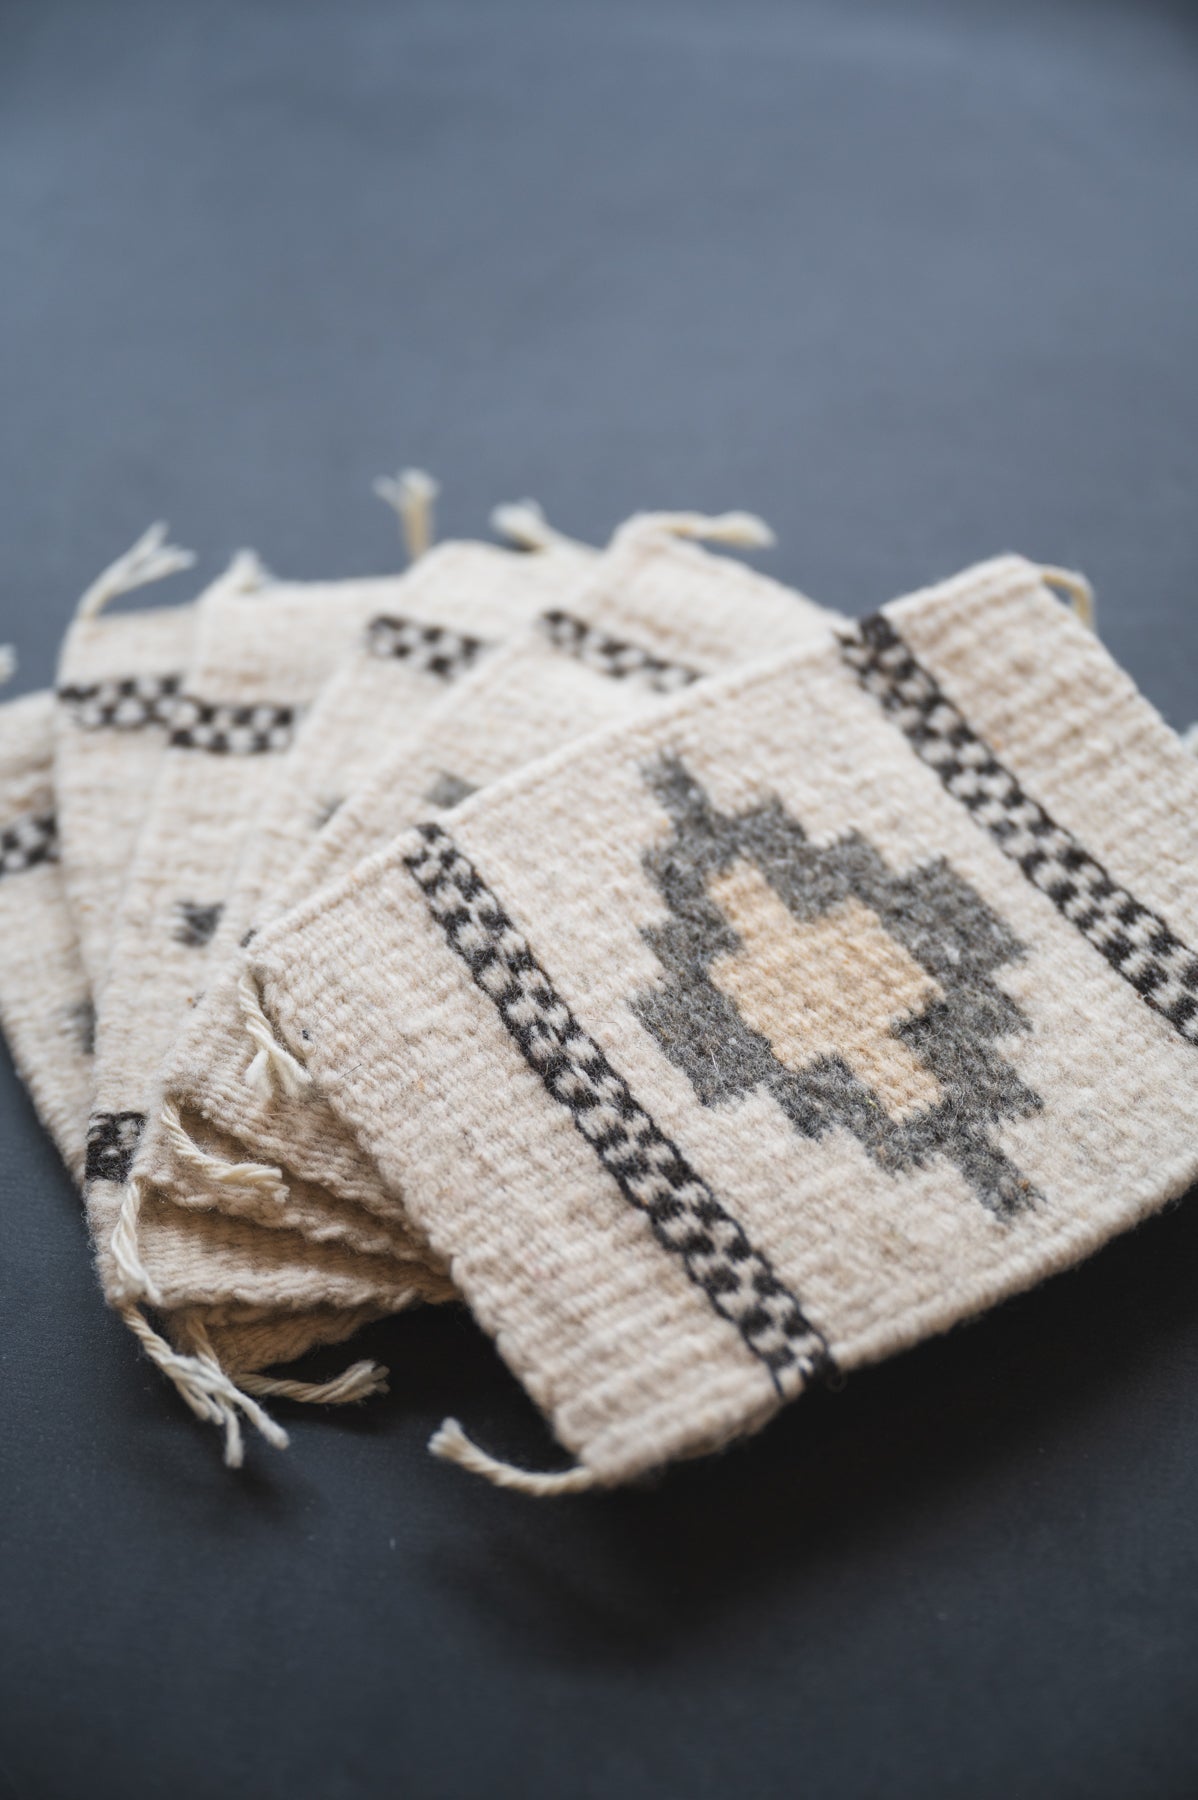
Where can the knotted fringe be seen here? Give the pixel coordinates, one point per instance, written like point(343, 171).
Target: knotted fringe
point(1076, 589)
point(412, 494)
point(452, 1444)
point(262, 1177)
point(273, 1065)
point(207, 1389)
point(150, 559)
point(523, 523)
point(361, 1381)
point(745, 530)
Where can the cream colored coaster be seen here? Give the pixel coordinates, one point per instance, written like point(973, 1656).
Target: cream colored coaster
point(118, 677)
point(45, 1001)
point(456, 606)
point(651, 616)
point(766, 1036)
point(259, 659)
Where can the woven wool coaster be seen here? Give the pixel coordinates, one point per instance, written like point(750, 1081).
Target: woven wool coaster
point(46, 1015)
point(118, 676)
point(654, 615)
point(458, 603)
point(847, 996)
point(45, 1001)
point(259, 658)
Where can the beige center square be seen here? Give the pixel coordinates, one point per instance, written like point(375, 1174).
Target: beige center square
point(833, 986)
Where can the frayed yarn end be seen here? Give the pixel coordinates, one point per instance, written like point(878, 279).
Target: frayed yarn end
point(150, 559)
point(272, 1068)
point(412, 493)
point(741, 529)
point(1076, 589)
point(523, 523)
point(451, 1444)
point(262, 1178)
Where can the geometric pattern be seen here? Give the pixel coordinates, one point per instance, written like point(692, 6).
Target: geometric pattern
point(939, 1034)
point(27, 841)
point(432, 649)
point(614, 656)
point(650, 1171)
point(225, 729)
point(1136, 941)
point(128, 704)
point(112, 1140)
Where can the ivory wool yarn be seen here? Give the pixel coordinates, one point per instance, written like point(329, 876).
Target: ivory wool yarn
point(843, 997)
point(45, 1001)
point(649, 618)
point(118, 677)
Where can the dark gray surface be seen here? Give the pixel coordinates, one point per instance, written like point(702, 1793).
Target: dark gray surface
point(918, 283)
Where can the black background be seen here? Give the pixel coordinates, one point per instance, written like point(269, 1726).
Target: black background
point(919, 284)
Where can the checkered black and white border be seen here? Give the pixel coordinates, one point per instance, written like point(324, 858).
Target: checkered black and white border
point(650, 1171)
point(128, 704)
point(1135, 940)
point(112, 1140)
point(613, 656)
point(432, 649)
point(226, 730)
point(27, 841)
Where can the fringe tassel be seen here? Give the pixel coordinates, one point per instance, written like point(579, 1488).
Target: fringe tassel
point(744, 530)
point(1076, 589)
point(452, 1444)
point(216, 1169)
point(8, 663)
point(523, 523)
point(150, 559)
point(273, 1064)
point(412, 493)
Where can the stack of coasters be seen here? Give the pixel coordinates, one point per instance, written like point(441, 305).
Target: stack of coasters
point(712, 992)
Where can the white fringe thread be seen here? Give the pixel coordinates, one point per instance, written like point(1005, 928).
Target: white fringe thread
point(452, 1445)
point(412, 493)
point(272, 1068)
point(1076, 589)
point(150, 559)
point(263, 1177)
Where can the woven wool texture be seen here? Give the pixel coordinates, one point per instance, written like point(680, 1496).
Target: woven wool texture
point(844, 997)
point(653, 615)
point(457, 605)
point(118, 677)
point(259, 659)
point(45, 1001)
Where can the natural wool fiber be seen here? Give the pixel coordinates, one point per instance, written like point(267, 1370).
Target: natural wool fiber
point(450, 612)
point(118, 677)
point(45, 1002)
point(651, 616)
point(755, 1041)
point(259, 658)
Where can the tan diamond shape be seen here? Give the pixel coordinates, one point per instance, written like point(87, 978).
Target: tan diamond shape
point(833, 986)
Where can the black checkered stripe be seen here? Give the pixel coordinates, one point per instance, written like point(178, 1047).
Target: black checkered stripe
point(226, 730)
point(1135, 940)
point(616, 657)
point(27, 841)
point(651, 1172)
point(112, 1140)
point(128, 704)
point(431, 649)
